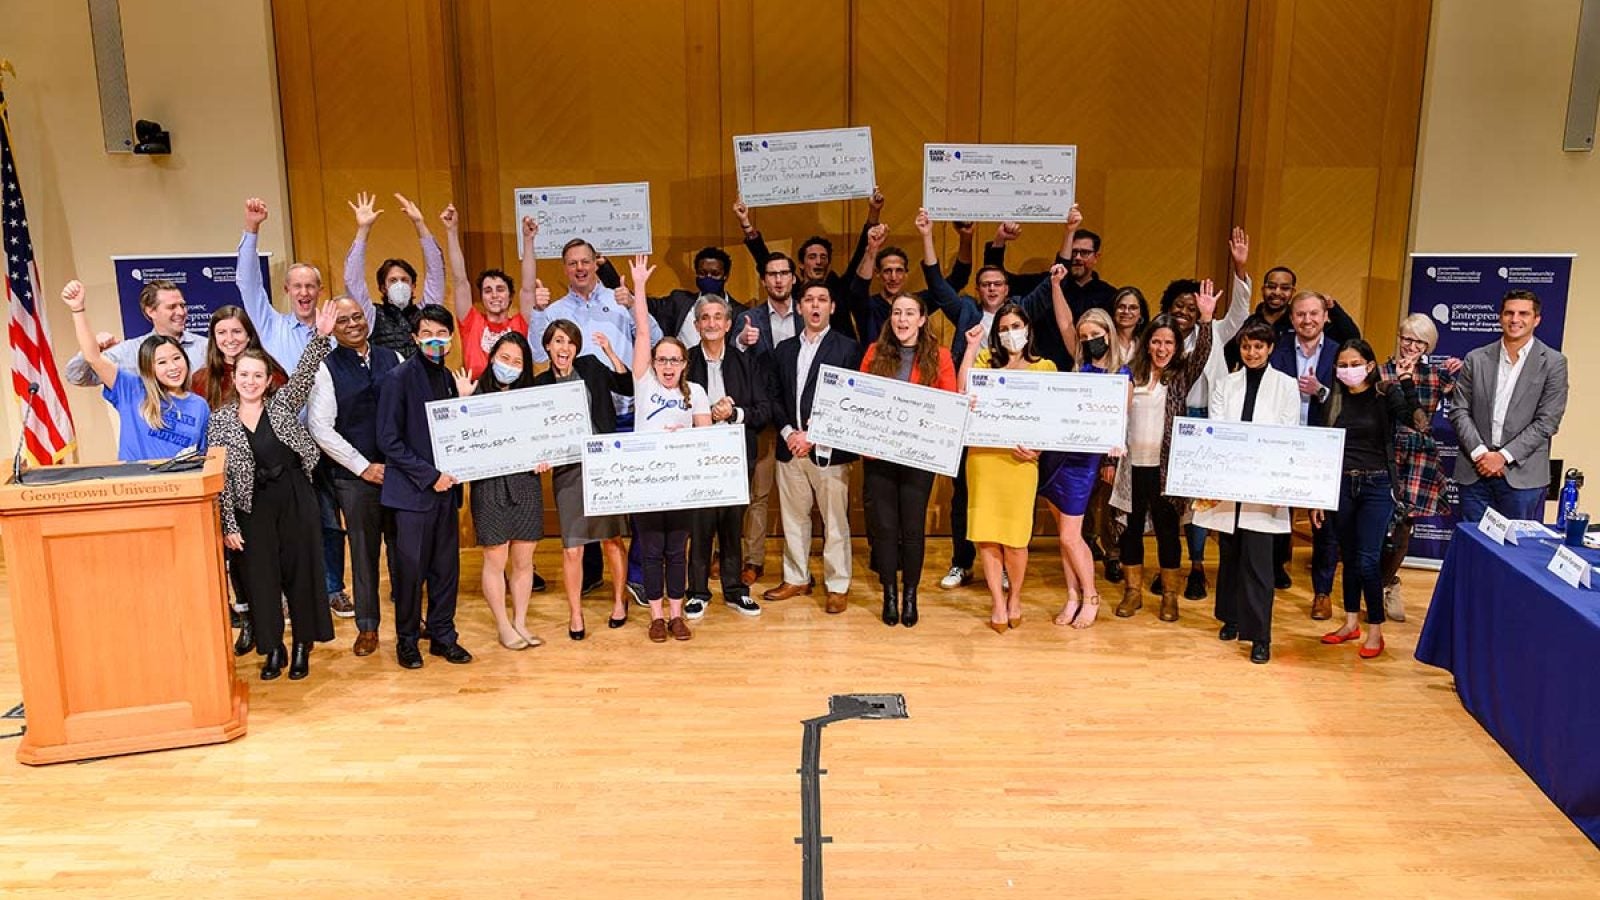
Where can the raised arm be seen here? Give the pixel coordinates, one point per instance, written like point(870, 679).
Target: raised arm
point(104, 369)
point(941, 294)
point(355, 261)
point(460, 287)
point(532, 295)
point(298, 389)
point(1239, 297)
point(432, 258)
point(874, 210)
point(641, 270)
point(1196, 362)
point(975, 341)
point(961, 269)
point(1062, 310)
point(753, 241)
point(1074, 222)
point(247, 270)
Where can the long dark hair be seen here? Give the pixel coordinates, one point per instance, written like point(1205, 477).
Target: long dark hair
point(886, 350)
point(219, 386)
point(489, 384)
point(1142, 364)
point(1336, 398)
point(573, 333)
point(999, 356)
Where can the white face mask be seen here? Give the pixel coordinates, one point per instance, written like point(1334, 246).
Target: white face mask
point(399, 293)
point(1014, 340)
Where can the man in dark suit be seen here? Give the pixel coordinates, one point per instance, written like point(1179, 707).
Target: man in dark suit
point(1307, 355)
point(1508, 402)
point(740, 389)
point(755, 334)
point(809, 475)
point(815, 262)
point(426, 502)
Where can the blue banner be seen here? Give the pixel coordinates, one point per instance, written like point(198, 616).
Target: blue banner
point(206, 280)
point(1461, 293)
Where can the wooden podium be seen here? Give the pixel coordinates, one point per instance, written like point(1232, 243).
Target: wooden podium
point(118, 596)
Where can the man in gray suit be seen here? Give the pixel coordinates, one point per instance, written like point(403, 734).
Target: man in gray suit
point(1507, 404)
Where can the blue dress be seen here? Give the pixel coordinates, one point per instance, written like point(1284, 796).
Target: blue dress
point(1067, 479)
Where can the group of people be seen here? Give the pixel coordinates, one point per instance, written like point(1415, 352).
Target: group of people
point(322, 412)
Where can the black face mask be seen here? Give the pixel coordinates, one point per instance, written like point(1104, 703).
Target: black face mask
point(1094, 348)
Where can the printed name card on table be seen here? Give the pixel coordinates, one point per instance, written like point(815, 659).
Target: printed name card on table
point(486, 435)
point(691, 468)
point(1246, 462)
point(1570, 567)
point(804, 166)
point(999, 182)
point(615, 218)
point(1068, 411)
point(1496, 526)
point(888, 419)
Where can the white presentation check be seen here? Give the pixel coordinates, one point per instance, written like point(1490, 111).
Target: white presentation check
point(804, 166)
point(999, 182)
point(888, 419)
point(509, 431)
point(1280, 465)
point(615, 218)
point(691, 468)
point(1073, 411)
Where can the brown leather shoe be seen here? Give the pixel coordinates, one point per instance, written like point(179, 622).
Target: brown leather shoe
point(836, 603)
point(786, 591)
point(366, 643)
point(750, 574)
point(658, 630)
point(679, 629)
point(1322, 607)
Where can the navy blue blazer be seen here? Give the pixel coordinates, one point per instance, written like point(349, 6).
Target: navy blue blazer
point(409, 474)
point(1286, 359)
point(836, 350)
point(760, 316)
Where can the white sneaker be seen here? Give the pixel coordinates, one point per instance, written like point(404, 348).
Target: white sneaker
point(1394, 607)
point(956, 577)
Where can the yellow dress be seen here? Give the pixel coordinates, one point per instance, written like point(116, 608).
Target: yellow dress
point(1000, 487)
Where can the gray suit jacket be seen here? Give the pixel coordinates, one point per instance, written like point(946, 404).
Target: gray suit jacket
point(760, 315)
point(1534, 416)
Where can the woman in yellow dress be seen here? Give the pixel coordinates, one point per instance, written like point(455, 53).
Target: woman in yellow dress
point(1001, 483)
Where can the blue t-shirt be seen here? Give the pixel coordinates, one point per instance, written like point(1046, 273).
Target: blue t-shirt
point(183, 422)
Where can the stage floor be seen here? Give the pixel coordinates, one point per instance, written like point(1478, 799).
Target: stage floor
point(1136, 758)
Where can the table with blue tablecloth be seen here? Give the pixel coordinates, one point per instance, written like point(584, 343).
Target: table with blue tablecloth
point(1525, 652)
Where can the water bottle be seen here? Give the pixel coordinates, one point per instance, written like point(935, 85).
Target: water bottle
point(1569, 497)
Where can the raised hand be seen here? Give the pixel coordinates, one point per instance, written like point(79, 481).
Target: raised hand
point(465, 383)
point(530, 229)
point(742, 213)
point(875, 202)
point(1206, 300)
point(1058, 273)
point(255, 212)
point(875, 239)
point(601, 342)
point(362, 207)
point(1239, 249)
point(409, 208)
point(1074, 218)
point(1405, 366)
point(965, 229)
point(641, 270)
point(1452, 365)
point(326, 315)
point(105, 340)
point(448, 217)
point(975, 338)
point(1007, 232)
point(72, 295)
point(923, 223)
point(541, 295)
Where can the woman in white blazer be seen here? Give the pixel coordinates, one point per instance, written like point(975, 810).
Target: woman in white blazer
point(1255, 393)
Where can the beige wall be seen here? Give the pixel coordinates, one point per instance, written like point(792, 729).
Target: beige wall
point(205, 71)
point(1491, 174)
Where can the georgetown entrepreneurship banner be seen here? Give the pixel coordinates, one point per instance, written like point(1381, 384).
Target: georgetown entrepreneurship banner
point(206, 280)
point(1461, 293)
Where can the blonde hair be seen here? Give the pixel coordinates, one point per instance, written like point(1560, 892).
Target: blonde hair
point(1420, 326)
point(1114, 358)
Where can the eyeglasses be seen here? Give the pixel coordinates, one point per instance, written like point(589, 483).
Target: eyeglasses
point(1080, 251)
point(1412, 341)
point(670, 360)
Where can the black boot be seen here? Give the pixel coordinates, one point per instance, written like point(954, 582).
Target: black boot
point(300, 663)
point(247, 638)
point(1114, 571)
point(891, 605)
point(272, 666)
point(908, 604)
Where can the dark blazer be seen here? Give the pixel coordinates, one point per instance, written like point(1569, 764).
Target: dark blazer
point(838, 285)
point(1537, 406)
point(1285, 358)
point(760, 316)
point(403, 436)
point(836, 350)
point(748, 380)
point(602, 381)
point(1340, 328)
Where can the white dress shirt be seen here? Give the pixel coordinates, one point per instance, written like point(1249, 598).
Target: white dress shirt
point(1505, 385)
point(322, 408)
point(808, 354)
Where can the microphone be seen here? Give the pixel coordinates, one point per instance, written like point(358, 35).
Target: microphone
point(22, 436)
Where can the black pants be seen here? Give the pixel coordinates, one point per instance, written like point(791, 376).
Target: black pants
point(429, 545)
point(725, 525)
point(963, 553)
point(1324, 555)
point(663, 540)
point(1244, 583)
point(1149, 501)
point(283, 555)
point(241, 591)
point(897, 518)
point(369, 527)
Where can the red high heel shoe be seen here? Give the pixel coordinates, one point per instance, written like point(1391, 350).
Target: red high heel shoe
point(1333, 637)
point(1372, 653)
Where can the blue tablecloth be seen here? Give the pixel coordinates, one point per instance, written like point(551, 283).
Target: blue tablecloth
point(1525, 652)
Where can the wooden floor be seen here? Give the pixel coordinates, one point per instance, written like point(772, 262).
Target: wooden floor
point(1138, 758)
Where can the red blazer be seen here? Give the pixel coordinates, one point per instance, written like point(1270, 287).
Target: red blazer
point(947, 370)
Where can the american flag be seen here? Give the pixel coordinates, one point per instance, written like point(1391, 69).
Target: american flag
point(50, 436)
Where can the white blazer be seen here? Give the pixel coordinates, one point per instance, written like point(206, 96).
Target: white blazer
point(1277, 403)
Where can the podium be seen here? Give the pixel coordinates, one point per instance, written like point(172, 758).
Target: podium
point(118, 596)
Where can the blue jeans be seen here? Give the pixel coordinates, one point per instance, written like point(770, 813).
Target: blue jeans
point(1513, 503)
point(1366, 502)
point(332, 537)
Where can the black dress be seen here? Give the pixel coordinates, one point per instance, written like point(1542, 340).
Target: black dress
point(283, 545)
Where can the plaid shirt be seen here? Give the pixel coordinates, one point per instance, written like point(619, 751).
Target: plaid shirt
point(1420, 475)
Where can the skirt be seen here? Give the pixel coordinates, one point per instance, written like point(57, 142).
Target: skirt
point(1067, 480)
point(508, 508)
point(578, 529)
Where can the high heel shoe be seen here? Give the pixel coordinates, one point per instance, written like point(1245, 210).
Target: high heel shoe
point(581, 633)
point(908, 606)
point(891, 605)
point(247, 638)
point(999, 627)
point(618, 623)
point(1371, 652)
point(300, 662)
point(272, 666)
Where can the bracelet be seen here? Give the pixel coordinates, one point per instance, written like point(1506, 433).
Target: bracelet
point(75, 311)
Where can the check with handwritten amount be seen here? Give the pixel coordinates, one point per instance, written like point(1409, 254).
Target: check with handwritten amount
point(999, 182)
point(1279, 465)
point(486, 435)
point(888, 419)
point(1072, 411)
point(804, 166)
point(615, 218)
point(692, 468)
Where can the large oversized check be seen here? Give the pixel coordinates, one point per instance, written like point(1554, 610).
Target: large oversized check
point(999, 182)
point(1075, 411)
point(509, 431)
point(690, 468)
point(804, 166)
point(615, 218)
point(1280, 465)
point(888, 419)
